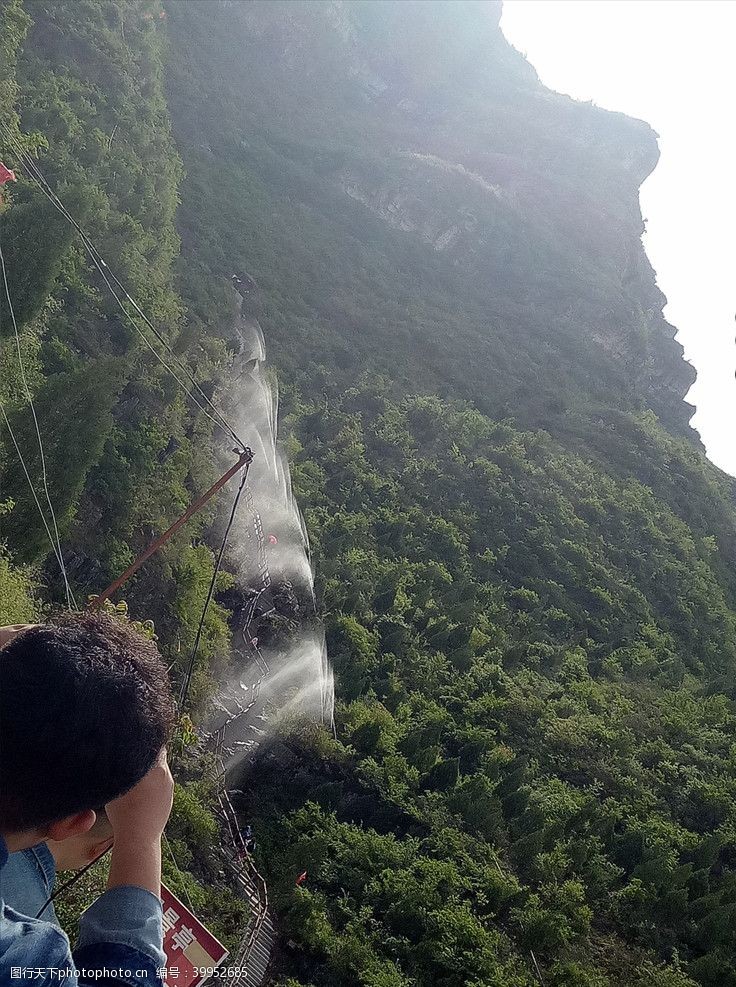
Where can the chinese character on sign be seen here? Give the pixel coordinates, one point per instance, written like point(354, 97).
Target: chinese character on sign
point(191, 950)
point(183, 937)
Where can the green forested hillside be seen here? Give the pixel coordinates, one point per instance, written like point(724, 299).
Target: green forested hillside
point(525, 563)
point(123, 453)
point(83, 90)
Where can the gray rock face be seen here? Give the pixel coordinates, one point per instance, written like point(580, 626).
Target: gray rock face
point(422, 115)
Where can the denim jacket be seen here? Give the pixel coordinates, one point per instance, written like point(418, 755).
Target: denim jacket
point(120, 935)
point(28, 880)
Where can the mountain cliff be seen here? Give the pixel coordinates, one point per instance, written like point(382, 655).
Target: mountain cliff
point(525, 561)
point(421, 128)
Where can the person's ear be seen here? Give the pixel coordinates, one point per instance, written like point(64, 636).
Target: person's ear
point(76, 825)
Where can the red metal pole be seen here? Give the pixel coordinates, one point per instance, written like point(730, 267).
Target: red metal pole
point(246, 457)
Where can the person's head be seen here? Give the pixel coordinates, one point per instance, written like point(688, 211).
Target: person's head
point(85, 708)
point(77, 851)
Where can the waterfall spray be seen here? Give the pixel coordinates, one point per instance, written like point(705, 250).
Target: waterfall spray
point(280, 659)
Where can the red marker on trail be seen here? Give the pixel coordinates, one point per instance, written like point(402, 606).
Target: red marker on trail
point(6, 175)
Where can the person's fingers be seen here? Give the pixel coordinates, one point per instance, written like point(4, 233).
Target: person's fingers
point(145, 809)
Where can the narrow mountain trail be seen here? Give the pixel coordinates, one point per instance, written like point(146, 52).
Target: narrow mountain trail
point(253, 955)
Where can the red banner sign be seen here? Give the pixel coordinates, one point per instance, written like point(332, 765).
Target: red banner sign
point(192, 953)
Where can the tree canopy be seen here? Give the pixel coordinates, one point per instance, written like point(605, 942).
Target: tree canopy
point(525, 562)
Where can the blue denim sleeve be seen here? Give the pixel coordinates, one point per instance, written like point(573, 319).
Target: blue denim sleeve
point(114, 965)
point(121, 938)
point(26, 944)
point(35, 950)
point(125, 917)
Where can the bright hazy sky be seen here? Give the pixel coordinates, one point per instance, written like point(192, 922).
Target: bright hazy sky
point(671, 63)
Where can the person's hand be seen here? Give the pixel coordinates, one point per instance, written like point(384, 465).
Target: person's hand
point(138, 819)
point(142, 813)
point(8, 633)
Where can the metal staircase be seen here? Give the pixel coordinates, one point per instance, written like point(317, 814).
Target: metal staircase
point(252, 957)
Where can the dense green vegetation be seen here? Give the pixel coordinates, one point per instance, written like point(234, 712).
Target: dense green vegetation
point(525, 562)
point(535, 665)
point(123, 453)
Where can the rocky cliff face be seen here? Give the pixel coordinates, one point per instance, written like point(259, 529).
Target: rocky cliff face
point(423, 116)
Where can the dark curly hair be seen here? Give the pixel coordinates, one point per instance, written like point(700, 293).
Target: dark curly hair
point(85, 707)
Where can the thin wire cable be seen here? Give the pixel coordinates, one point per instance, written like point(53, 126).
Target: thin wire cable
point(210, 592)
point(30, 482)
point(71, 602)
point(80, 874)
point(100, 262)
point(72, 881)
point(178, 870)
point(162, 340)
point(148, 343)
point(217, 419)
point(59, 205)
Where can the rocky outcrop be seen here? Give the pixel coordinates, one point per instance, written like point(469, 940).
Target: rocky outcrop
point(424, 116)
